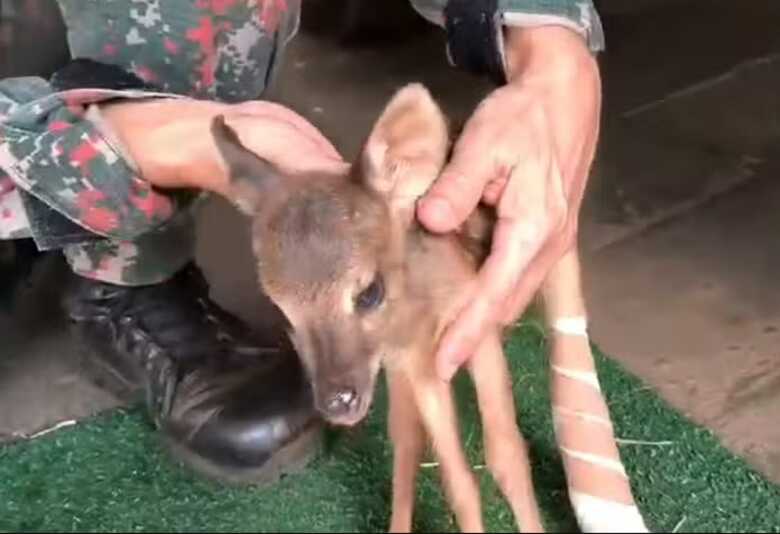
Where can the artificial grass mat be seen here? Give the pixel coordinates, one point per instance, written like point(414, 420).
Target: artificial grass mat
point(109, 473)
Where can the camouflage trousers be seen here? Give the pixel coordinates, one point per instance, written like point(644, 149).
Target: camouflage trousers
point(152, 257)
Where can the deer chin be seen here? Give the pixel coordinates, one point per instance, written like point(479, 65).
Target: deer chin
point(350, 420)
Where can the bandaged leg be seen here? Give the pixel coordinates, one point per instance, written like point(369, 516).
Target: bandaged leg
point(599, 488)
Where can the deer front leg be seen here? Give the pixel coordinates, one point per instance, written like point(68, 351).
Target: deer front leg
point(437, 409)
point(506, 452)
point(408, 437)
point(599, 488)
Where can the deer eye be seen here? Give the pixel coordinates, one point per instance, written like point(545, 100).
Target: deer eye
point(372, 296)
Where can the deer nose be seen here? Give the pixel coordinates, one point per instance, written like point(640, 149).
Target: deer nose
point(342, 401)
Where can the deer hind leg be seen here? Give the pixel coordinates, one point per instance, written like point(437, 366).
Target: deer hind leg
point(437, 409)
point(408, 437)
point(599, 488)
point(506, 452)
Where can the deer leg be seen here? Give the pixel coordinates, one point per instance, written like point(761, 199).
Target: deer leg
point(437, 408)
point(408, 436)
point(599, 488)
point(506, 452)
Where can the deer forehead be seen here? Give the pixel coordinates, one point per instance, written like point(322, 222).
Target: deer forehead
point(319, 243)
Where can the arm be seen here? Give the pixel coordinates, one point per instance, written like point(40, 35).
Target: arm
point(120, 163)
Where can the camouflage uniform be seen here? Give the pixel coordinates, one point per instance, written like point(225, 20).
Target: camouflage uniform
point(53, 149)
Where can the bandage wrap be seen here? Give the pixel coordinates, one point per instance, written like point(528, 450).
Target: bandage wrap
point(573, 326)
point(586, 437)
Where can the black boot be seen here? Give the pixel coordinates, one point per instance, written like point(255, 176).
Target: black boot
point(228, 407)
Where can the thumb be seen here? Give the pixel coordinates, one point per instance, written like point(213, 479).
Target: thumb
point(456, 192)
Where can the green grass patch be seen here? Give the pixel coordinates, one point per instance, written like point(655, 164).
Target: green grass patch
point(109, 473)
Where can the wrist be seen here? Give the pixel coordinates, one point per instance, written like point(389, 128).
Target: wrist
point(548, 54)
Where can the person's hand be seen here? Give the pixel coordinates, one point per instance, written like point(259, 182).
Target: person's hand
point(527, 150)
point(171, 143)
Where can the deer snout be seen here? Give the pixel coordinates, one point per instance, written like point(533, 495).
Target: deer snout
point(344, 405)
point(345, 399)
point(341, 402)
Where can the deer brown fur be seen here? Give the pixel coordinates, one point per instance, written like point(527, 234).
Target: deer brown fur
point(365, 287)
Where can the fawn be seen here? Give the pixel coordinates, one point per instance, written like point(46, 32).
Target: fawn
point(364, 287)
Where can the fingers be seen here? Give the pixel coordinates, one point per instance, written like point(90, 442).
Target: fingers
point(496, 281)
point(515, 250)
point(528, 285)
point(527, 211)
point(493, 190)
point(458, 190)
point(519, 235)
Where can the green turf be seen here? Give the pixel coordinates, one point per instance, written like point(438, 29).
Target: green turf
point(110, 473)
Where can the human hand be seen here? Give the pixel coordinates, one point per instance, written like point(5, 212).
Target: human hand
point(171, 142)
point(527, 150)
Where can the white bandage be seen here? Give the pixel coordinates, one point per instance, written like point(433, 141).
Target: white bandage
point(586, 377)
point(571, 326)
point(599, 515)
point(595, 459)
point(559, 412)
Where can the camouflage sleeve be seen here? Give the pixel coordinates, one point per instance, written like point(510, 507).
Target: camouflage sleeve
point(53, 146)
point(579, 15)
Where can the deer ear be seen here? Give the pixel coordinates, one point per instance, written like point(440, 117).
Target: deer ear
point(407, 147)
point(251, 177)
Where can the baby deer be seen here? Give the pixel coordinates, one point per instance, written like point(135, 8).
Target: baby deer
point(365, 287)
